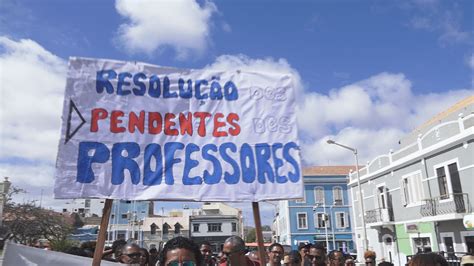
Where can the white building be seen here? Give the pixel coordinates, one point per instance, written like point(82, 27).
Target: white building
point(158, 230)
point(214, 223)
point(84, 207)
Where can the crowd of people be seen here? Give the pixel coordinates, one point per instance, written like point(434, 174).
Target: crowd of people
point(182, 251)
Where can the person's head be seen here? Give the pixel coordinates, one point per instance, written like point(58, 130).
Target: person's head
point(467, 260)
point(144, 257)
point(317, 255)
point(206, 251)
point(292, 259)
point(303, 249)
point(349, 261)
point(425, 259)
point(336, 258)
point(253, 255)
point(153, 252)
point(117, 247)
point(275, 253)
point(234, 250)
point(130, 254)
point(180, 251)
point(370, 257)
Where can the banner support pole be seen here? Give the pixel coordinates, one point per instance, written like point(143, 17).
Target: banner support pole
point(104, 223)
point(258, 233)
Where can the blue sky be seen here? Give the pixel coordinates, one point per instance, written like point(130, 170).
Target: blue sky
point(369, 71)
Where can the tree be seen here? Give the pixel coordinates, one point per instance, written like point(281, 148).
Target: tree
point(266, 228)
point(27, 223)
point(251, 236)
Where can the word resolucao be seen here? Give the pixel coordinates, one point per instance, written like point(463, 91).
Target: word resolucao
point(169, 123)
point(157, 87)
point(260, 163)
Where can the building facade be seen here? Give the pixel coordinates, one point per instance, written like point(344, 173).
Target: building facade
point(158, 230)
point(415, 198)
point(323, 215)
point(214, 223)
point(126, 220)
point(84, 207)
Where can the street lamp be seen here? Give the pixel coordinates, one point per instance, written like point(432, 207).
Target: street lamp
point(361, 200)
point(325, 218)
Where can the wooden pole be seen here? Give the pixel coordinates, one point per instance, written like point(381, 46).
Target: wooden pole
point(104, 223)
point(258, 233)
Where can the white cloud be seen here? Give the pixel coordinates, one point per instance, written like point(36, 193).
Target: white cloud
point(470, 62)
point(28, 175)
point(439, 17)
point(371, 115)
point(182, 24)
point(244, 63)
point(32, 88)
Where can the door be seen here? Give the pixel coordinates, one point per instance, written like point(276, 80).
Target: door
point(469, 240)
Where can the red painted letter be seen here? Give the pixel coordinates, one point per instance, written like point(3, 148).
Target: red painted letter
point(218, 124)
point(115, 121)
point(202, 122)
point(168, 124)
point(155, 123)
point(97, 114)
point(186, 123)
point(232, 119)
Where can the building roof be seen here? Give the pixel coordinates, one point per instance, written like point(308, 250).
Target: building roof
point(328, 170)
point(454, 108)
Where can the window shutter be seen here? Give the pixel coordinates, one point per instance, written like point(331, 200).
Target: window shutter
point(376, 198)
point(402, 193)
point(328, 222)
point(346, 221)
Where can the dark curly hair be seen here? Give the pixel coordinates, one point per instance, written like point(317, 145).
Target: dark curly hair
point(277, 245)
point(181, 242)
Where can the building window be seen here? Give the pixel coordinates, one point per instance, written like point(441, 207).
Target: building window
point(124, 216)
point(166, 228)
point(234, 227)
point(195, 227)
point(153, 228)
point(128, 201)
point(303, 200)
point(448, 180)
point(319, 195)
point(341, 220)
point(302, 220)
point(321, 219)
point(412, 188)
point(381, 197)
point(337, 195)
point(214, 227)
point(442, 183)
point(177, 228)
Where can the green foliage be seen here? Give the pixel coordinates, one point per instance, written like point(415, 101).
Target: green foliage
point(27, 224)
point(62, 245)
point(251, 236)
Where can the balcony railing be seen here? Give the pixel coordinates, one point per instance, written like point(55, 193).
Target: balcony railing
point(379, 215)
point(446, 204)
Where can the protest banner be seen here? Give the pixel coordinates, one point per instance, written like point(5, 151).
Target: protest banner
point(140, 132)
point(21, 255)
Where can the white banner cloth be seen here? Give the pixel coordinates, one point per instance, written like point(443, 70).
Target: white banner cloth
point(138, 131)
point(20, 255)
